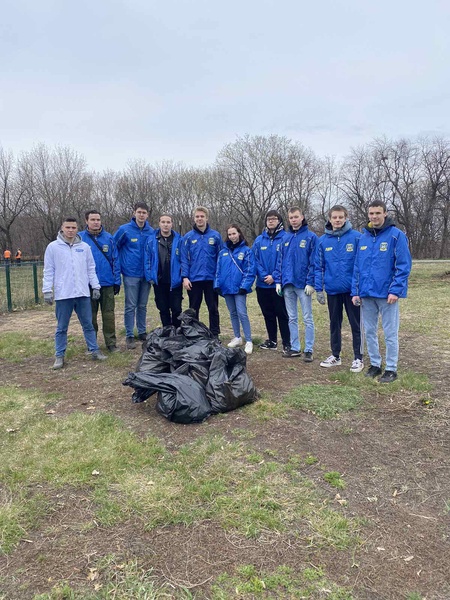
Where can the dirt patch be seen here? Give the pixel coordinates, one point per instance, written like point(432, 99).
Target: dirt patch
point(393, 455)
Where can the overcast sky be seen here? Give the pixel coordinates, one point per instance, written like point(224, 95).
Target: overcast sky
point(178, 79)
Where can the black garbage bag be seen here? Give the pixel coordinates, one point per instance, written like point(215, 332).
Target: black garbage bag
point(180, 398)
point(152, 358)
point(192, 328)
point(229, 385)
point(194, 360)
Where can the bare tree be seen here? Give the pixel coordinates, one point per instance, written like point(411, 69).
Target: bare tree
point(13, 196)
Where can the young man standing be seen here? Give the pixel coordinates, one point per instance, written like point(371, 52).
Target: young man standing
point(130, 240)
point(107, 266)
point(266, 249)
point(162, 267)
point(380, 278)
point(69, 271)
point(199, 252)
point(295, 278)
point(335, 259)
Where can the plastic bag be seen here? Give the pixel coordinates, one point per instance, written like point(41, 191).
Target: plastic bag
point(229, 385)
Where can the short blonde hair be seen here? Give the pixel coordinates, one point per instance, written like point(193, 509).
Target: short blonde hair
point(201, 209)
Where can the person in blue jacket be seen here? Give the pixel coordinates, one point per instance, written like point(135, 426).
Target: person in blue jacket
point(335, 258)
point(380, 278)
point(199, 252)
point(294, 277)
point(162, 268)
point(266, 248)
point(107, 268)
point(130, 241)
point(235, 274)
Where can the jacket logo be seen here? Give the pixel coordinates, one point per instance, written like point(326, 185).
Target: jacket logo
point(363, 247)
point(225, 254)
point(329, 249)
point(286, 243)
point(349, 247)
point(383, 246)
point(211, 241)
point(263, 247)
point(302, 244)
point(194, 241)
point(177, 251)
point(241, 256)
point(133, 240)
point(79, 250)
point(105, 248)
point(278, 248)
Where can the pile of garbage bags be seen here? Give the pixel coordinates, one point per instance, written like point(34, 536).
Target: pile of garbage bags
point(192, 373)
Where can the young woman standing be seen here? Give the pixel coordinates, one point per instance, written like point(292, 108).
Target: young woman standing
point(235, 274)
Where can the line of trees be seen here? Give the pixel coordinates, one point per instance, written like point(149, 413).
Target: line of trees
point(249, 176)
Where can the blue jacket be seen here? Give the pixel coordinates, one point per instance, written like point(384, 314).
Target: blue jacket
point(335, 259)
point(151, 254)
point(382, 264)
point(266, 250)
point(199, 252)
point(236, 269)
point(107, 263)
point(130, 241)
point(296, 260)
point(69, 269)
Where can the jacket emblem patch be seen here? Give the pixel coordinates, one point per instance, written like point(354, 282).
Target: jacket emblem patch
point(363, 247)
point(302, 244)
point(105, 248)
point(329, 249)
point(263, 247)
point(225, 254)
point(133, 240)
point(79, 250)
point(211, 241)
point(241, 256)
point(194, 241)
point(383, 246)
point(349, 247)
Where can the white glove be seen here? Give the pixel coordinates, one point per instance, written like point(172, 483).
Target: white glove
point(278, 288)
point(320, 297)
point(95, 294)
point(309, 290)
point(48, 298)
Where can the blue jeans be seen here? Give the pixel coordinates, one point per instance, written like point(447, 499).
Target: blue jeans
point(237, 306)
point(64, 310)
point(372, 308)
point(291, 296)
point(137, 290)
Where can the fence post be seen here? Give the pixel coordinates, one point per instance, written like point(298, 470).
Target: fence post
point(8, 287)
point(35, 282)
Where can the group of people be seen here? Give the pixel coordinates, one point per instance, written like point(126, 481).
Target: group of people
point(364, 273)
point(17, 257)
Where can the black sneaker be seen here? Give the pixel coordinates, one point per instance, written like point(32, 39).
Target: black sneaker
point(286, 348)
point(142, 337)
point(388, 377)
point(373, 372)
point(291, 353)
point(307, 357)
point(268, 345)
point(131, 344)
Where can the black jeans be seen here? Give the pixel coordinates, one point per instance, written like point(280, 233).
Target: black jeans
point(336, 303)
point(168, 302)
point(196, 293)
point(273, 307)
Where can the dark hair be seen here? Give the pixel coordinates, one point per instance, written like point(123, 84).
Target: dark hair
point(91, 212)
point(165, 215)
point(141, 205)
point(338, 208)
point(69, 220)
point(239, 230)
point(378, 203)
point(294, 209)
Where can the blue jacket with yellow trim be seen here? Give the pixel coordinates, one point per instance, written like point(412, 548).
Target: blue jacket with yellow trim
point(335, 259)
point(130, 241)
point(296, 260)
point(383, 263)
point(151, 259)
point(236, 269)
point(199, 253)
point(108, 265)
point(266, 249)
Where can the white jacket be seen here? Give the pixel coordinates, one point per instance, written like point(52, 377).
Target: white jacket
point(69, 269)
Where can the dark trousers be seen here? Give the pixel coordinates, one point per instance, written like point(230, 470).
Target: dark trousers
point(273, 308)
point(106, 304)
point(336, 304)
point(196, 293)
point(168, 302)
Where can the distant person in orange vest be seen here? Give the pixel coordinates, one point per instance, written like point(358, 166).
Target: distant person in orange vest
point(7, 256)
point(18, 256)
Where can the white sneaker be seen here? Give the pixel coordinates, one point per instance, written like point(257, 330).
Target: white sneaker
point(331, 361)
point(235, 342)
point(248, 347)
point(357, 366)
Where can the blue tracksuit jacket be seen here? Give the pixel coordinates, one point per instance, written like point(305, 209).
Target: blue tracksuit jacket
point(130, 241)
point(266, 250)
point(335, 259)
point(199, 252)
point(151, 255)
point(296, 260)
point(236, 269)
point(107, 264)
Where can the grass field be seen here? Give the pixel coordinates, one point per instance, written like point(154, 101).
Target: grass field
point(331, 486)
